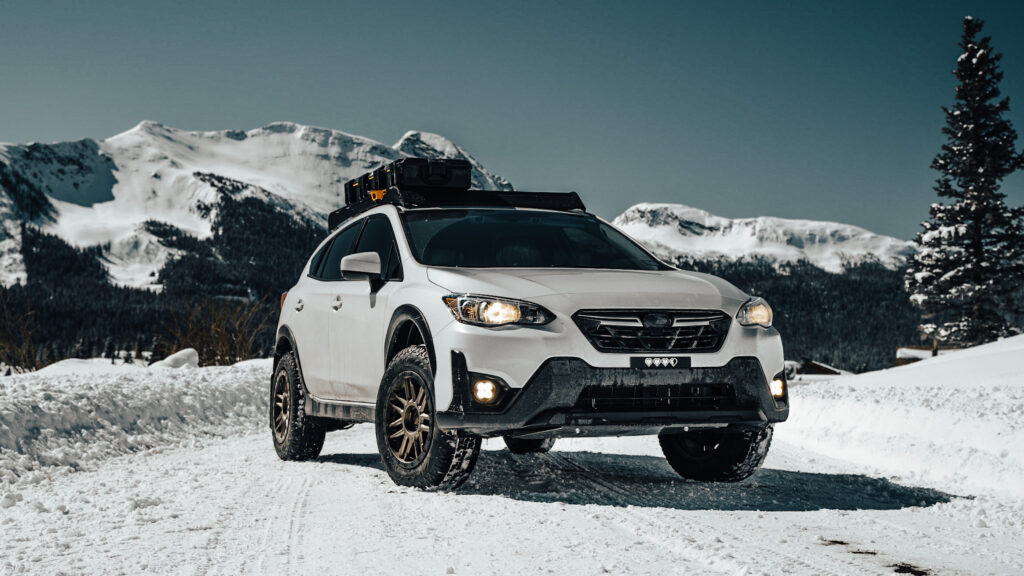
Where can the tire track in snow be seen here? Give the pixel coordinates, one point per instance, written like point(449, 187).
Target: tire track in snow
point(262, 549)
point(296, 517)
point(714, 532)
point(596, 482)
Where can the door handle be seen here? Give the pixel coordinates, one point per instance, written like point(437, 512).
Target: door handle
point(299, 306)
point(337, 303)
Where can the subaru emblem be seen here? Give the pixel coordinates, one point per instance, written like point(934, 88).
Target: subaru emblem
point(656, 320)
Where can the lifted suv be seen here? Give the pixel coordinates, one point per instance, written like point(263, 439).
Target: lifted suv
point(444, 315)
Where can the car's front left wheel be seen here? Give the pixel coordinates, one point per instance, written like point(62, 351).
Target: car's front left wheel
point(414, 450)
point(296, 435)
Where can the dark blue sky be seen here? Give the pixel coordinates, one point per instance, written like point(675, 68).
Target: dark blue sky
point(796, 109)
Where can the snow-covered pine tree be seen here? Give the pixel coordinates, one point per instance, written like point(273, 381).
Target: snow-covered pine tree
point(970, 260)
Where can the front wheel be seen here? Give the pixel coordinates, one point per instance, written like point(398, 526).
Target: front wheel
point(717, 454)
point(414, 450)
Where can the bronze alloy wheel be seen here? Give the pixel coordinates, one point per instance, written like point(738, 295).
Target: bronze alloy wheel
point(282, 405)
point(409, 414)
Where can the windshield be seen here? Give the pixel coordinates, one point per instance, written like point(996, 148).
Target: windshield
point(482, 238)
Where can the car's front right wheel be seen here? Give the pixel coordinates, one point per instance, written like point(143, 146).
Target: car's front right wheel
point(414, 450)
point(717, 454)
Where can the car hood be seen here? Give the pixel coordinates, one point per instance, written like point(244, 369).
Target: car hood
point(589, 288)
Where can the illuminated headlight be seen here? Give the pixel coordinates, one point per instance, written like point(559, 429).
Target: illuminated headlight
point(778, 388)
point(756, 312)
point(488, 311)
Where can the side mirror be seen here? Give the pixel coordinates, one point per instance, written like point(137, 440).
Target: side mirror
point(364, 265)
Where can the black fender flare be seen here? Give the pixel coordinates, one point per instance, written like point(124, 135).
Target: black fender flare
point(408, 314)
point(285, 334)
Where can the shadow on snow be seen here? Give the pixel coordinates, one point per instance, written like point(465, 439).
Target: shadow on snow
point(624, 480)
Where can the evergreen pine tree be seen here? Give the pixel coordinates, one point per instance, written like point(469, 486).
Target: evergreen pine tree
point(160, 349)
point(140, 346)
point(970, 259)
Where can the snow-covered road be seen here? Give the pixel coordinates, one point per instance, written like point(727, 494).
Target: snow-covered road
point(222, 503)
point(229, 506)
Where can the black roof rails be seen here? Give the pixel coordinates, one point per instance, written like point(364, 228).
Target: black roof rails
point(419, 182)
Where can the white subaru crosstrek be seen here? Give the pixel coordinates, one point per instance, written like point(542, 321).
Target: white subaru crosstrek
point(444, 315)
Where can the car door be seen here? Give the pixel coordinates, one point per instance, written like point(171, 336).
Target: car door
point(361, 324)
point(314, 306)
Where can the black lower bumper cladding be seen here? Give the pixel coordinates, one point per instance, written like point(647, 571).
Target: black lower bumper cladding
point(569, 393)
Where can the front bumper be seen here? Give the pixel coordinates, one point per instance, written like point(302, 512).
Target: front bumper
point(516, 354)
point(567, 396)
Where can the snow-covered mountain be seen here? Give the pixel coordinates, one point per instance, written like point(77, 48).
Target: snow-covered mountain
point(676, 231)
point(131, 193)
point(102, 193)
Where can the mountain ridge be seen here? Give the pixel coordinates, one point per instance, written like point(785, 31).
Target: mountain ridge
point(102, 192)
point(680, 233)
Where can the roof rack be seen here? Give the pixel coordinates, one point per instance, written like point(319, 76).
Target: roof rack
point(420, 183)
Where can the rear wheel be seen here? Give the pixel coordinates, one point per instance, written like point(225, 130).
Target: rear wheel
point(296, 435)
point(718, 454)
point(529, 446)
point(414, 450)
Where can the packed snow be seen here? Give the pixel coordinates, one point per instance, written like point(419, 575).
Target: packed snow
point(952, 422)
point(75, 414)
point(677, 231)
point(917, 469)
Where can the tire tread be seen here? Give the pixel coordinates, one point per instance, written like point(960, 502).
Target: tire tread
point(452, 455)
point(305, 438)
point(743, 454)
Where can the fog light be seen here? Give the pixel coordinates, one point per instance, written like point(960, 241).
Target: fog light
point(485, 391)
point(778, 388)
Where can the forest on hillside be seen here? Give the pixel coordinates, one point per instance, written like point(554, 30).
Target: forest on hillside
point(219, 295)
point(854, 320)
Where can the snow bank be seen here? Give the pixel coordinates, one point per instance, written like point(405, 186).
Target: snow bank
point(65, 420)
point(88, 366)
point(952, 422)
point(187, 358)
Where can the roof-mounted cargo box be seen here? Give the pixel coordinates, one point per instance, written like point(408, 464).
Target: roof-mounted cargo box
point(410, 174)
point(421, 182)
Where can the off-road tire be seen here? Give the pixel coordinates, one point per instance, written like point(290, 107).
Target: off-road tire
point(446, 458)
point(717, 455)
point(529, 445)
point(303, 436)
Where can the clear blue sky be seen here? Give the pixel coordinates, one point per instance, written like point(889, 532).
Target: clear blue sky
point(796, 109)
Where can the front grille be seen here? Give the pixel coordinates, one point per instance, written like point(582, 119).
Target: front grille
point(656, 398)
point(654, 331)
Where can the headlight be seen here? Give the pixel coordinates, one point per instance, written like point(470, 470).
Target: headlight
point(756, 312)
point(488, 311)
